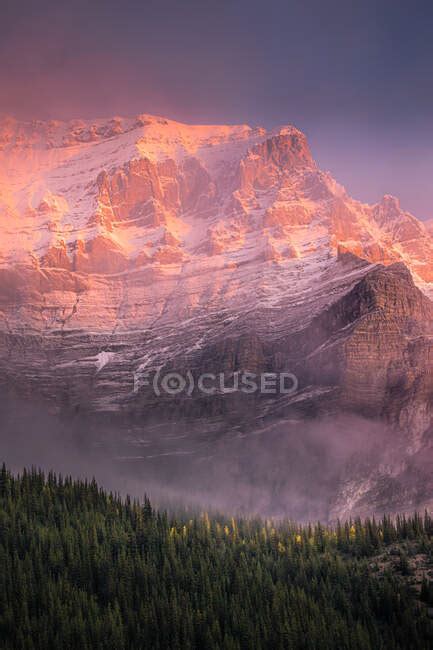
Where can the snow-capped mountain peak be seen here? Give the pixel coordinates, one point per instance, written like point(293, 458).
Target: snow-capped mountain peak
point(108, 196)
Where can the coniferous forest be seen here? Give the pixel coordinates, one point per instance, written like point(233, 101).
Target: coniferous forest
point(80, 568)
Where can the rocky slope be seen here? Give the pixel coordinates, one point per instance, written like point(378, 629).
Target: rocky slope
point(132, 246)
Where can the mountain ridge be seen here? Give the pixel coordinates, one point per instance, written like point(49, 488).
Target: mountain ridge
point(166, 178)
point(143, 245)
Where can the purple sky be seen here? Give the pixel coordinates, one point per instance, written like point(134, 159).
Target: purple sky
point(356, 77)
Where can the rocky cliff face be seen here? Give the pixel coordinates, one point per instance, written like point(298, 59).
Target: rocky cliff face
point(131, 247)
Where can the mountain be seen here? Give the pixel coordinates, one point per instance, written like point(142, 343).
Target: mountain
point(130, 247)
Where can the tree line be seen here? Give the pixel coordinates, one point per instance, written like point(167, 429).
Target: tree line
point(82, 568)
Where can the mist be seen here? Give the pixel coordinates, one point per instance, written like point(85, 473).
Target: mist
point(303, 470)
